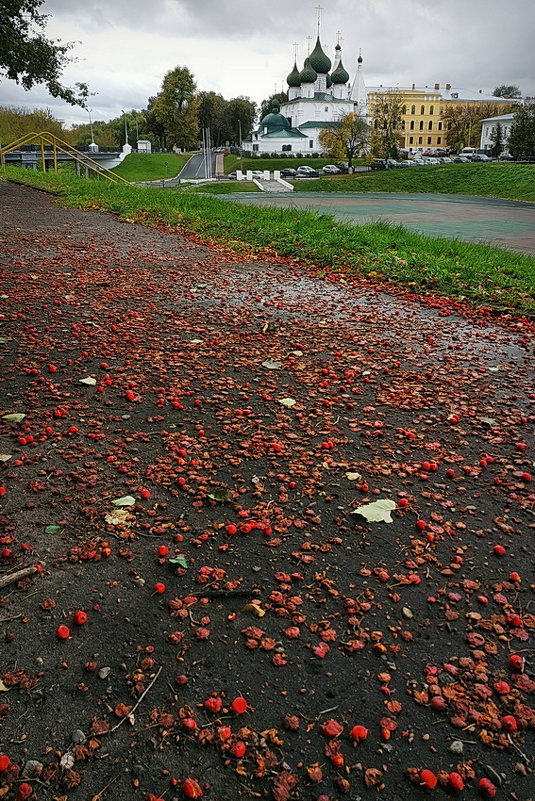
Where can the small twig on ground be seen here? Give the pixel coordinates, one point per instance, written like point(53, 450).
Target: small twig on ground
point(98, 796)
point(140, 699)
point(17, 576)
point(518, 750)
point(325, 711)
point(7, 619)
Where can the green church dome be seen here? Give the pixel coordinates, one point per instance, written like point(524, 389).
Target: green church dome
point(308, 73)
point(329, 81)
point(340, 75)
point(318, 60)
point(294, 78)
point(275, 121)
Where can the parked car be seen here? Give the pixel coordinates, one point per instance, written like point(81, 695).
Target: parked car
point(430, 160)
point(288, 172)
point(331, 169)
point(307, 172)
point(257, 174)
point(342, 168)
point(447, 160)
point(461, 160)
point(405, 163)
point(480, 157)
point(232, 175)
point(378, 164)
point(505, 157)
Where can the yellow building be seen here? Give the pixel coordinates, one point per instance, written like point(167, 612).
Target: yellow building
point(423, 126)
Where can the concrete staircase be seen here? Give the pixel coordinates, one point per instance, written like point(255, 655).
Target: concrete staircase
point(273, 186)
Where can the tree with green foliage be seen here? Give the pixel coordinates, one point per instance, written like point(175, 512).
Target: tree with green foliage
point(522, 134)
point(345, 138)
point(176, 108)
point(28, 57)
point(240, 116)
point(15, 122)
point(496, 137)
point(463, 121)
point(266, 105)
point(386, 111)
point(507, 91)
point(212, 108)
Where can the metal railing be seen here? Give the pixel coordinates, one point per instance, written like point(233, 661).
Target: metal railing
point(59, 146)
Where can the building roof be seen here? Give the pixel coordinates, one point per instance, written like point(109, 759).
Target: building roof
point(316, 124)
point(308, 73)
point(500, 118)
point(340, 75)
point(274, 121)
point(294, 78)
point(454, 93)
point(318, 60)
point(283, 133)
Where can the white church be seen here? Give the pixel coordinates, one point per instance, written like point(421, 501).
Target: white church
point(318, 95)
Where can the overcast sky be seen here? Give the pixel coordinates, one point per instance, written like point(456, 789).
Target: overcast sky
point(245, 47)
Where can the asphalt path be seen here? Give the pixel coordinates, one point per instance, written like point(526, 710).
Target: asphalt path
point(196, 167)
point(505, 223)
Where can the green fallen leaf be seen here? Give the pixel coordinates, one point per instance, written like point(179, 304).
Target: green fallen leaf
point(5, 457)
point(221, 495)
point(90, 382)
point(288, 402)
point(272, 364)
point(178, 560)
point(353, 476)
point(3, 340)
point(377, 512)
point(126, 500)
point(52, 529)
point(13, 418)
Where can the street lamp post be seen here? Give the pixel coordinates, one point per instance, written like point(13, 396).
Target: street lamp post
point(125, 128)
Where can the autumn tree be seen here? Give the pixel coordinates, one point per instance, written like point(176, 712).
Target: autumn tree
point(345, 138)
point(463, 121)
point(522, 134)
point(28, 57)
point(506, 90)
point(240, 113)
point(386, 112)
point(15, 122)
point(176, 108)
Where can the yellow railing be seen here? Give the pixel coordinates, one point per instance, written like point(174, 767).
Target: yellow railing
point(58, 145)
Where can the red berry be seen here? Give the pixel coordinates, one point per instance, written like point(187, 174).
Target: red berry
point(231, 529)
point(159, 587)
point(189, 723)
point(332, 728)
point(80, 618)
point(277, 447)
point(428, 778)
point(358, 733)
point(426, 466)
point(526, 476)
point(420, 525)
point(3, 491)
point(238, 749)
point(499, 550)
point(486, 787)
point(521, 446)
point(514, 576)
point(145, 493)
point(450, 472)
point(338, 760)
point(191, 789)
point(23, 792)
point(403, 503)
point(509, 723)
point(163, 550)
point(502, 688)
point(5, 762)
point(516, 662)
point(213, 704)
point(239, 705)
point(63, 632)
point(224, 733)
point(455, 781)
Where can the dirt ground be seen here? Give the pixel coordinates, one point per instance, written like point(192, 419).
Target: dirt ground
point(242, 616)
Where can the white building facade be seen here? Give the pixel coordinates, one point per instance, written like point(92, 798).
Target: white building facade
point(318, 95)
point(488, 126)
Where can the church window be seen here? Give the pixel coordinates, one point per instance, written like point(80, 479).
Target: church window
point(286, 147)
point(413, 109)
point(420, 140)
point(428, 140)
point(422, 109)
point(326, 108)
point(255, 147)
point(439, 140)
point(431, 109)
point(311, 143)
point(411, 140)
point(440, 125)
point(412, 125)
point(421, 125)
point(404, 110)
point(430, 125)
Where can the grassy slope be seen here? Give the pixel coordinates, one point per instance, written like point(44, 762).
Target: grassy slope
point(485, 274)
point(151, 166)
point(219, 187)
point(512, 181)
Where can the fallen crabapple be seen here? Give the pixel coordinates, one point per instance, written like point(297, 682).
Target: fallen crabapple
point(239, 705)
point(428, 778)
point(509, 723)
point(80, 617)
point(238, 749)
point(159, 587)
point(358, 733)
point(63, 632)
point(191, 789)
point(455, 781)
point(516, 662)
point(499, 550)
point(213, 704)
point(486, 788)
point(5, 762)
point(163, 550)
point(331, 728)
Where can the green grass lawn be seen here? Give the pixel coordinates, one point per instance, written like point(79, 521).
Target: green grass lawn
point(512, 181)
point(233, 163)
point(483, 274)
point(219, 187)
point(151, 166)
